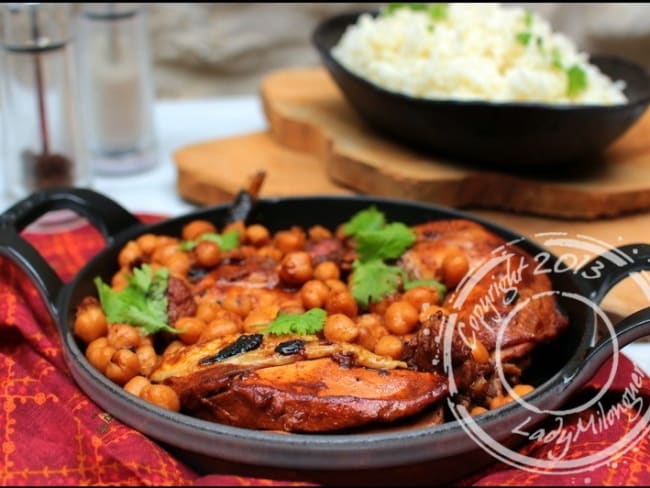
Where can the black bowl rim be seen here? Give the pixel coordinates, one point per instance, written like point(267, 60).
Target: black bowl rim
point(327, 56)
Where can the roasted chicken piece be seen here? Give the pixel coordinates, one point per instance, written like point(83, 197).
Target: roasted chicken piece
point(294, 383)
point(501, 278)
point(316, 395)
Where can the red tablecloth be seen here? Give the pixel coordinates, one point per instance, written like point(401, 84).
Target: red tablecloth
point(51, 433)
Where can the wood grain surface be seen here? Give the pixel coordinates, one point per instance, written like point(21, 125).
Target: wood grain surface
point(307, 112)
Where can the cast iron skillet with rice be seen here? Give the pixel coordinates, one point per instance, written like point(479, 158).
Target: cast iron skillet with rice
point(481, 83)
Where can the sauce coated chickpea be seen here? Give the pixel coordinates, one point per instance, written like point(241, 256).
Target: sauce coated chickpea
point(314, 294)
point(257, 235)
point(99, 352)
point(90, 322)
point(219, 327)
point(136, 384)
point(207, 253)
point(327, 270)
point(401, 317)
point(129, 255)
point(342, 302)
point(289, 240)
point(197, 228)
point(295, 268)
point(340, 328)
point(191, 328)
point(420, 295)
point(161, 395)
point(389, 345)
point(123, 335)
point(147, 357)
point(454, 267)
point(123, 366)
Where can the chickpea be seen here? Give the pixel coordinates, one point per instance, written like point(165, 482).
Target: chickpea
point(389, 345)
point(237, 303)
point(295, 268)
point(178, 263)
point(336, 286)
point(136, 384)
point(454, 267)
point(499, 401)
point(319, 233)
point(477, 411)
point(342, 302)
point(523, 389)
point(370, 320)
point(369, 335)
point(129, 254)
point(290, 240)
point(173, 347)
point(164, 252)
point(257, 235)
point(207, 253)
point(99, 353)
point(401, 317)
point(197, 228)
point(291, 308)
point(191, 327)
point(382, 305)
point(161, 395)
point(420, 295)
point(123, 366)
point(90, 322)
point(218, 328)
point(238, 226)
point(270, 252)
point(147, 357)
point(147, 243)
point(120, 280)
point(327, 270)
point(259, 317)
point(340, 328)
point(207, 311)
point(314, 293)
point(123, 336)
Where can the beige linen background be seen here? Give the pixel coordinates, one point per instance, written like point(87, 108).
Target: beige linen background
point(213, 49)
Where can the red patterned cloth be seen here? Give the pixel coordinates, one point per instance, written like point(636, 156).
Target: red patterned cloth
point(51, 433)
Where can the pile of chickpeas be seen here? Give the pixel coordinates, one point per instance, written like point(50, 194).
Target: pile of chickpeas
point(127, 357)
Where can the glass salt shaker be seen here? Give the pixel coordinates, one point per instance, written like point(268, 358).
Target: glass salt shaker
point(41, 116)
point(117, 87)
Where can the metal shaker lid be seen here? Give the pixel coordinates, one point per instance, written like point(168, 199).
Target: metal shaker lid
point(36, 26)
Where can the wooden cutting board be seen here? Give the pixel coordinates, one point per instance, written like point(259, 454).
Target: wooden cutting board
point(307, 112)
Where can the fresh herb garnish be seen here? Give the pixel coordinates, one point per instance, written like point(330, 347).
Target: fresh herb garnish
point(389, 242)
point(143, 302)
point(523, 38)
point(306, 323)
point(365, 220)
point(376, 241)
point(226, 241)
point(437, 11)
point(576, 80)
point(556, 58)
point(373, 280)
point(528, 19)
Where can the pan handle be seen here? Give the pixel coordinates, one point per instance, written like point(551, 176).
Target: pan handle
point(603, 272)
point(627, 330)
point(106, 215)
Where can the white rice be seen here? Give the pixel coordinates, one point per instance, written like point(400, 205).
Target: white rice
point(472, 53)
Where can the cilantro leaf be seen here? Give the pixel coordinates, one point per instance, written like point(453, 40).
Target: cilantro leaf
point(389, 242)
point(373, 280)
point(440, 288)
point(528, 19)
point(143, 302)
point(576, 80)
point(556, 58)
point(364, 220)
point(523, 38)
point(306, 323)
point(226, 241)
point(439, 11)
point(392, 7)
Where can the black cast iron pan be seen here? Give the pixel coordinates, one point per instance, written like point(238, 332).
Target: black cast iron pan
point(572, 361)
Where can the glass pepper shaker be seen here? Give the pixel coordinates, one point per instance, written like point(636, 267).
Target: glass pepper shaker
point(41, 116)
point(117, 87)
